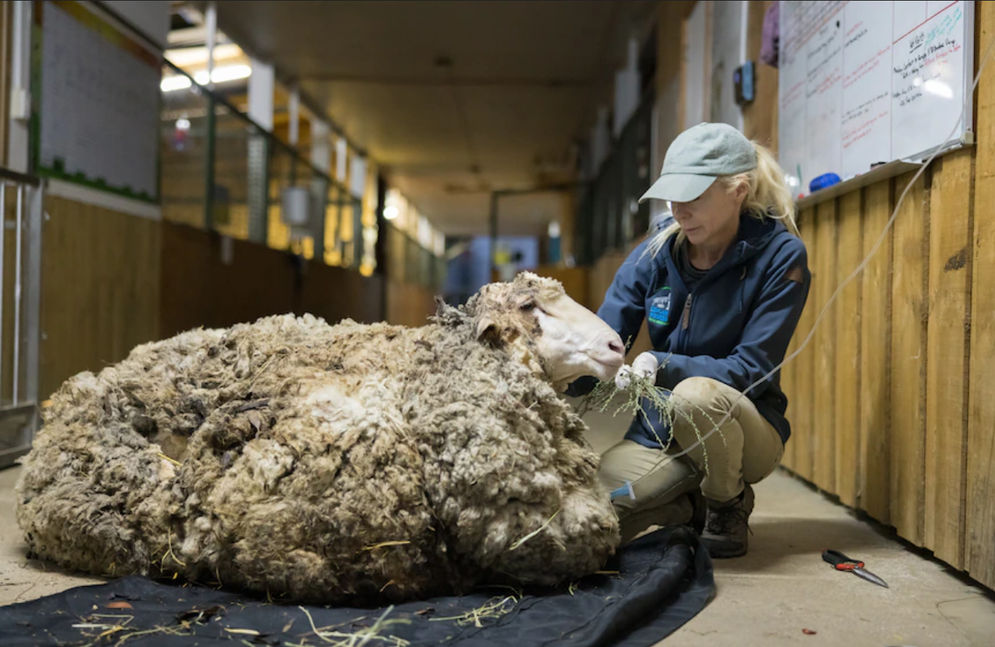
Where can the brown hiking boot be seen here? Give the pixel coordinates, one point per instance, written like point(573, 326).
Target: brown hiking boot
point(726, 527)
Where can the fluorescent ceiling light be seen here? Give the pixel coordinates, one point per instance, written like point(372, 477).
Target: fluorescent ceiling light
point(223, 74)
point(174, 83)
point(197, 56)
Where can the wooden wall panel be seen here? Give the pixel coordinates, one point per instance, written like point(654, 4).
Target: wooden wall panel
point(801, 405)
point(980, 511)
point(908, 359)
point(201, 288)
point(873, 491)
point(574, 280)
point(760, 116)
point(790, 390)
point(407, 304)
point(845, 323)
point(946, 349)
point(337, 293)
point(99, 290)
point(789, 385)
point(601, 275)
point(823, 260)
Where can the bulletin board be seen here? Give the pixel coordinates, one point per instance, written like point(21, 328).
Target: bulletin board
point(95, 103)
point(861, 83)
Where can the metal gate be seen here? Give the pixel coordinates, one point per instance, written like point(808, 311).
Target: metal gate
point(20, 295)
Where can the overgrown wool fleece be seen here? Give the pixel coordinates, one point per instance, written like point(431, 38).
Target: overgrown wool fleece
point(319, 463)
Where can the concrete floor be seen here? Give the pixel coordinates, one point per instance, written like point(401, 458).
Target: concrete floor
point(782, 588)
point(769, 597)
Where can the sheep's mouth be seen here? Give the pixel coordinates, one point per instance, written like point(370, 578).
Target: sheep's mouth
point(609, 365)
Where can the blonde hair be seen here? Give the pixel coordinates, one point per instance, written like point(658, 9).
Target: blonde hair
point(767, 196)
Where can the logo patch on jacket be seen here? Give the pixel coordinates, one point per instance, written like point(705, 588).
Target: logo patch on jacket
point(660, 307)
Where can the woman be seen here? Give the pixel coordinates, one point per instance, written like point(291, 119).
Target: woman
point(721, 289)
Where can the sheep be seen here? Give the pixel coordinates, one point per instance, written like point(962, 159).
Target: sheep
point(344, 463)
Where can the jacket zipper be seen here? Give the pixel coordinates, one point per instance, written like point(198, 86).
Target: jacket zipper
point(685, 323)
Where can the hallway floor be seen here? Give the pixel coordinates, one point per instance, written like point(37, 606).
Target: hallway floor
point(782, 590)
point(776, 595)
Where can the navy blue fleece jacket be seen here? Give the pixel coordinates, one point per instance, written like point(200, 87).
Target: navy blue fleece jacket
point(733, 327)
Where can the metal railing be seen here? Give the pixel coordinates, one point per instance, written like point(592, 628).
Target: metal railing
point(20, 298)
point(226, 173)
point(245, 169)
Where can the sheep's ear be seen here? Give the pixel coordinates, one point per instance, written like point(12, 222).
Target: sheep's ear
point(487, 331)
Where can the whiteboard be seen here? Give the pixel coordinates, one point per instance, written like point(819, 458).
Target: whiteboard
point(96, 104)
point(861, 83)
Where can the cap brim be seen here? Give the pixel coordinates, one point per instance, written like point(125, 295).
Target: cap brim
point(678, 187)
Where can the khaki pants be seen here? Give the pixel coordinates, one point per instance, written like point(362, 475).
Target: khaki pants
point(745, 449)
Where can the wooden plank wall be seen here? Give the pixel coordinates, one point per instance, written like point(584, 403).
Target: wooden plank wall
point(760, 116)
point(822, 255)
point(111, 281)
point(909, 317)
point(847, 347)
point(891, 405)
point(574, 281)
point(950, 222)
point(799, 384)
point(980, 480)
point(99, 289)
point(408, 304)
point(201, 288)
point(873, 410)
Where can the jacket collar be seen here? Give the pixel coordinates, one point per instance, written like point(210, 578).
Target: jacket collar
point(753, 236)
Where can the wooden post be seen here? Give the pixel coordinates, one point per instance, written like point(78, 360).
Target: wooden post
point(846, 315)
point(824, 410)
point(873, 485)
point(908, 365)
point(980, 513)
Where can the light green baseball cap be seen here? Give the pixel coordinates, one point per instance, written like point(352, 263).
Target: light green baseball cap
point(699, 155)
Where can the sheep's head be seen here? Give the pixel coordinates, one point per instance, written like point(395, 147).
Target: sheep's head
point(533, 317)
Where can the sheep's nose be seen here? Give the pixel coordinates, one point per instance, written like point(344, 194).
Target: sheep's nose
point(615, 346)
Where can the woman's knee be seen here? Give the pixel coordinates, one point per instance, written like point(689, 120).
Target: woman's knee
point(702, 406)
point(696, 394)
point(616, 464)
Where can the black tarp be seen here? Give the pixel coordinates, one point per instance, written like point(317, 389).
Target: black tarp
point(663, 579)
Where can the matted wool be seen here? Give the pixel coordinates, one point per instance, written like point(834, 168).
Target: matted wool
point(323, 463)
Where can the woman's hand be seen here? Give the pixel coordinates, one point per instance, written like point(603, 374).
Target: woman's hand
point(645, 365)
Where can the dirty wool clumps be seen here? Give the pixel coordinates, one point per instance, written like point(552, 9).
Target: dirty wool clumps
point(344, 463)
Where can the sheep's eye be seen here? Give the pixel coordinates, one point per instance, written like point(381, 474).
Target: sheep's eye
point(527, 306)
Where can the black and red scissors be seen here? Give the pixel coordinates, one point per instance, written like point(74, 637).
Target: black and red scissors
point(843, 563)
